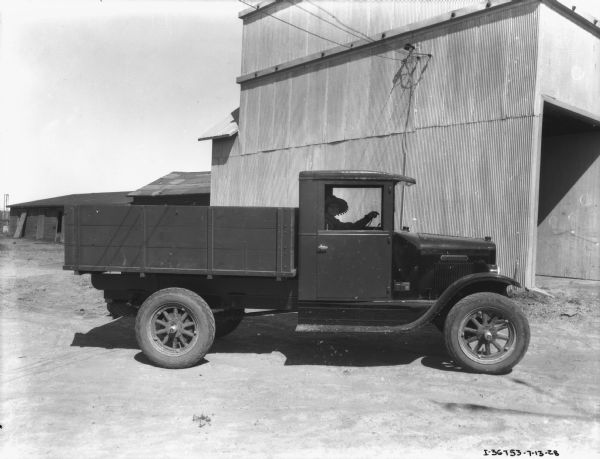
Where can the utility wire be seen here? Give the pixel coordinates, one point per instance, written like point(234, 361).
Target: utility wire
point(370, 40)
point(352, 31)
point(361, 34)
point(295, 26)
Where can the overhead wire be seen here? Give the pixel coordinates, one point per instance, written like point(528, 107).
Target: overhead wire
point(295, 26)
point(329, 13)
point(314, 34)
point(351, 30)
point(356, 34)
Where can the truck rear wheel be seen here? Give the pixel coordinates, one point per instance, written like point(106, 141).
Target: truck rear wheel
point(227, 321)
point(175, 328)
point(486, 333)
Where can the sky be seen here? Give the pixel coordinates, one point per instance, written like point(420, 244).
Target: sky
point(110, 95)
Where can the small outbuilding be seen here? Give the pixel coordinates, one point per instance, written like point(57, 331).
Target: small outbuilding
point(43, 219)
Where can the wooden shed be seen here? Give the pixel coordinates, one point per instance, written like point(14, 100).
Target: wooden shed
point(43, 219)
point(493, 106)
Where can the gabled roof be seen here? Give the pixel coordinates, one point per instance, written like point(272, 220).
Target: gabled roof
point(117, 197)
point(177, 183)
point(228, 127)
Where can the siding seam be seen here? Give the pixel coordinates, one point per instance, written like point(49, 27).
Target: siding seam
point(391, 134)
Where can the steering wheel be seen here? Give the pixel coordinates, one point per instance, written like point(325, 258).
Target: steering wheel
point(369, 227)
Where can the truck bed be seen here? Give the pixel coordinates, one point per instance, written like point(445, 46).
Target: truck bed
point(228, 241)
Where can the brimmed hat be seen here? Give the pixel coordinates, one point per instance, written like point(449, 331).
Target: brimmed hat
point(339, 202)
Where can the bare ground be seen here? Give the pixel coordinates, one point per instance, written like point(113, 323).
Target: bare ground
point(74, 383)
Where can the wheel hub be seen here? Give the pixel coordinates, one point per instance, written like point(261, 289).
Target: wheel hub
point(486, 336)
point(173, 329)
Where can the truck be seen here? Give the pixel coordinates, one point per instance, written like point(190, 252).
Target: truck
point(189, 273)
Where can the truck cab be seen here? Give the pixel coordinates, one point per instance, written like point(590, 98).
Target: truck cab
point(338, 263)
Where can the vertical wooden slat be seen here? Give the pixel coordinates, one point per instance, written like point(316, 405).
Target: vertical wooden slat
point(144, 239)
point(210, 256)
point(77, 233)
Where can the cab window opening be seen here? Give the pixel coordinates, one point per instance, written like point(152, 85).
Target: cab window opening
point(353, 207)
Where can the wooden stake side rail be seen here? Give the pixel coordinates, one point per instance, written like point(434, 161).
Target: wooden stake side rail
point(224, 241)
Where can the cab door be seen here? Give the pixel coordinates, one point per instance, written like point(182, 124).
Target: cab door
point(353, 257)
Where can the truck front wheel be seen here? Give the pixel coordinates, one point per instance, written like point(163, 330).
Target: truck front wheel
point(486, 333)
point(175, 328)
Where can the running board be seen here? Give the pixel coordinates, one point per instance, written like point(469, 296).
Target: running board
point(314, 328)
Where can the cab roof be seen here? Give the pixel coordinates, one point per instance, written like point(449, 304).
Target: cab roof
point(355, 176)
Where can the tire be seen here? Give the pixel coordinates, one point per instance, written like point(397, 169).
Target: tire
point(227, 321)
point(175, 328)
point(486, 333)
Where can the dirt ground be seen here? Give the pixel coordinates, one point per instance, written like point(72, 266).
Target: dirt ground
point(74, 383)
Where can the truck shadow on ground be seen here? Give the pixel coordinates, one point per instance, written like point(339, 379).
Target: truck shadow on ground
point(268, 334)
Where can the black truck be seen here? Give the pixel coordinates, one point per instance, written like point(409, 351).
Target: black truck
point(189, 272)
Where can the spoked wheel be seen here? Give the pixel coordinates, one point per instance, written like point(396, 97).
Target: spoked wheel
point(486, 336)
point(486, 333)
point(175, 328)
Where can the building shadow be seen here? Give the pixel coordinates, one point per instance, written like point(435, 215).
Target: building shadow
point(275, 333)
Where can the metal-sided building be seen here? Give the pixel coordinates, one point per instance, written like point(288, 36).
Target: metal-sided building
point(494, 107)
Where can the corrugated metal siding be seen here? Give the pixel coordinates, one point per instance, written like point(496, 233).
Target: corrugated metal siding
point(476, 185)
point(268, 42)
point(482, 69)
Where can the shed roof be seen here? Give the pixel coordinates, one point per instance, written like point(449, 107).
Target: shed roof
point(177, 183)
point(117, 197)
point(227, 127)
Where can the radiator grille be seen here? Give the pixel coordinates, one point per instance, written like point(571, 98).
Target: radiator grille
point(446, 273)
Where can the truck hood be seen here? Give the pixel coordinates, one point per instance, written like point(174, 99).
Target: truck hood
point(435, 244)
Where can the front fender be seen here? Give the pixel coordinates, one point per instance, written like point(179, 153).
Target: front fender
point(479, 282)
point(473, 283)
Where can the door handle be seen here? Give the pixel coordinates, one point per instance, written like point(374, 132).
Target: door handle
point(322, 248)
